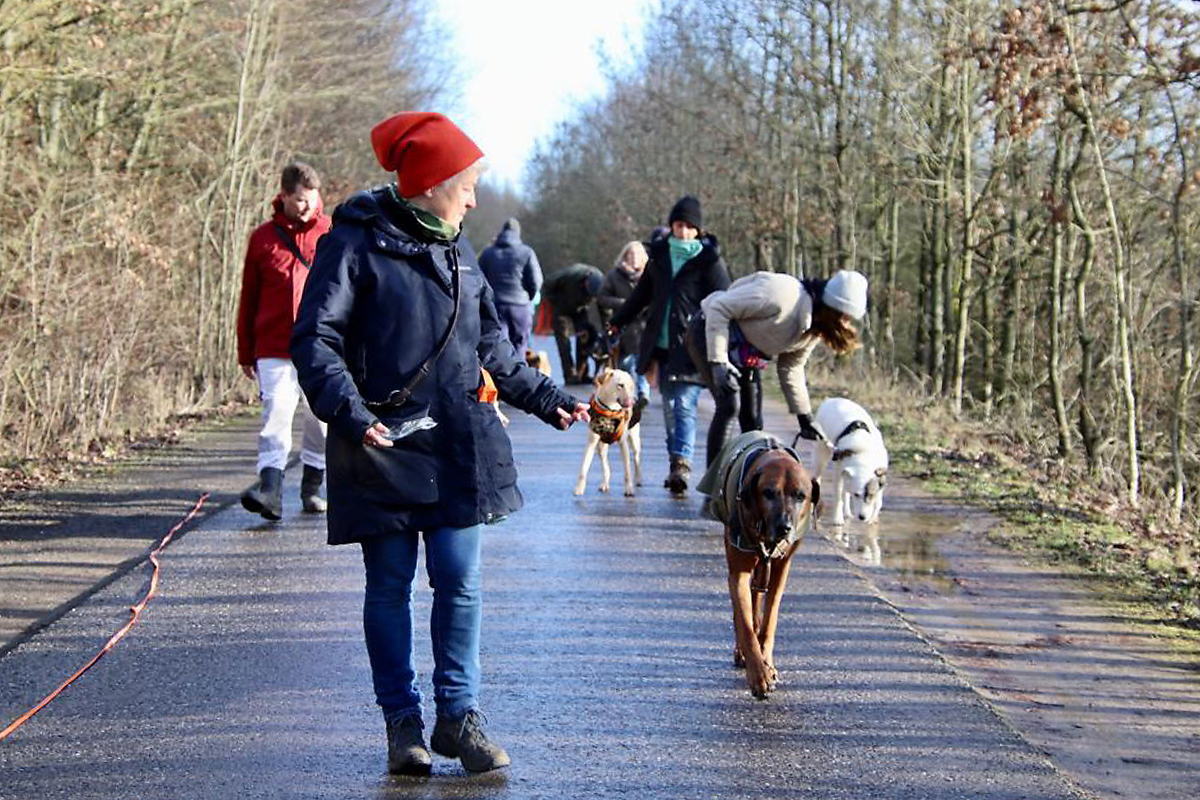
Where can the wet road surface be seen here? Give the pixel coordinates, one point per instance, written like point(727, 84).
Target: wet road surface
point(606, 656)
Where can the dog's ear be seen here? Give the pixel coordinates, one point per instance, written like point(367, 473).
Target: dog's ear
point(814, 495)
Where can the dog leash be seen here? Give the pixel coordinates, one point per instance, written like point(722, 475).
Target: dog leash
point(135, 611)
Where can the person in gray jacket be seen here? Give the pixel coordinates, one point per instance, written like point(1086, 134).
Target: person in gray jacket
point(769, 316)
point(512, 270)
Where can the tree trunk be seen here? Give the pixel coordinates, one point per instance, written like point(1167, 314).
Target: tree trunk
point(1054, 357)
point(1088, 429)
point(962, 321)
point(1119, 279)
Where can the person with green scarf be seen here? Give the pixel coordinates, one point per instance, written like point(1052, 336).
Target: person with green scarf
point(683, 269)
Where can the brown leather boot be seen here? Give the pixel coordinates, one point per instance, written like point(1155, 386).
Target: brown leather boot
point(681, 471)
point(407, 754)
point(464, 739)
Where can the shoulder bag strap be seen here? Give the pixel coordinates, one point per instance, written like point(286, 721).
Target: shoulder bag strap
point(400, 396)
point(289, 242)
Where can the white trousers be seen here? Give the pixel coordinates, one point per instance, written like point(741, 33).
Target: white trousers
point(280, 393)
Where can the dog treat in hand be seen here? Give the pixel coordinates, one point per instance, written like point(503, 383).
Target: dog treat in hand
point(409, 427)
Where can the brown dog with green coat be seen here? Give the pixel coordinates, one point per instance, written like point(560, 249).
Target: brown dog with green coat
point(767, 501)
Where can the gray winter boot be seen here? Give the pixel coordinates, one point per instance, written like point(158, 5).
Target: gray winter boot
point(464, 739)
point(407, 754)
point(310, 490)
point(266, 496)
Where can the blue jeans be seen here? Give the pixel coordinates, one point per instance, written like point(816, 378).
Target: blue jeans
point(679, 400)
point(628, 363)
point(452, 557)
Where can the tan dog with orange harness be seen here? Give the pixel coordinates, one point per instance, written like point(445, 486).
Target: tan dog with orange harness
point(613, 420)
point(759, 489)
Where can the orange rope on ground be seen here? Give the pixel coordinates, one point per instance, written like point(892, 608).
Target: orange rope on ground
point(135, 611)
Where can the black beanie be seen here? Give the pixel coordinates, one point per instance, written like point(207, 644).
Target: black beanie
point(687, 210)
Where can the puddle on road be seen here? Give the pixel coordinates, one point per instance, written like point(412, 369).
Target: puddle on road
point(904, 541)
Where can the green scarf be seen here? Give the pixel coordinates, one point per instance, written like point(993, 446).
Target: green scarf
point(431, 224)
point(682, 251)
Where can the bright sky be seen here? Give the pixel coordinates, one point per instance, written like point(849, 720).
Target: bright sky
point(528, 63)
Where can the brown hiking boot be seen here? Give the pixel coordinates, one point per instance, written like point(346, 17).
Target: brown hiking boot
point(464, 739)
point(681, 470)
point(407, 754)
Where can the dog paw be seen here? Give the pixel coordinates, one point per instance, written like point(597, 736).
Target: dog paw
point(578, 491)
point(772, 677)
point(629, 491)
point(739, 660)
point(761, 678)
point(604, 487)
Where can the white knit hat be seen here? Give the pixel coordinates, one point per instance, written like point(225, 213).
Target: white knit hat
point(846, 291)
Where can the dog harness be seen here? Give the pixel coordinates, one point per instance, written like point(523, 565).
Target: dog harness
point(607, 423)
point(857, 425)
point(724, 483)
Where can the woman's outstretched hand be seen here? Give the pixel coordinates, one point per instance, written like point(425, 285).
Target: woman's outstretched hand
point(568, 418)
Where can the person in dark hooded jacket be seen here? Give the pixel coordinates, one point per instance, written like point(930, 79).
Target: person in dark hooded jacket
point(511, 268)
point(395, 331)
point(570, 293)
point(683, 269)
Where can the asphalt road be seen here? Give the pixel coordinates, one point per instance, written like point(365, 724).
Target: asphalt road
point(607, 669)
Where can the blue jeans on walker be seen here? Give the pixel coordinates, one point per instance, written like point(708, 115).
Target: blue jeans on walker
point(628, 363)
point(452, 557)
point(679, 400)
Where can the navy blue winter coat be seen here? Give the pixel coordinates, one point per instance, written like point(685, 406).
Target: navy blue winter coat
point(511, 267)
point(699, 277)
point(375, 304)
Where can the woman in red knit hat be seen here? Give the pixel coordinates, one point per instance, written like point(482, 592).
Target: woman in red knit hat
point(394, 332)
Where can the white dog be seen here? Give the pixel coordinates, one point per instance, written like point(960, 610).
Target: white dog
point(854, 443)
point(612, 421)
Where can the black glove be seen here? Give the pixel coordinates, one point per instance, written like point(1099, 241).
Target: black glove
point(807, 431)
point(725, 377)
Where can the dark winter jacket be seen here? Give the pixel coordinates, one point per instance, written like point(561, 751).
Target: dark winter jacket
point(697, 279)
point(618, 286)
point(376, 303)
point(272, 282)
point(511, 267)
point(566, 289)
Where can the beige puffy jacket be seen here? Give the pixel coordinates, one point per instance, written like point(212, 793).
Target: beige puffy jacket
point(774, 312)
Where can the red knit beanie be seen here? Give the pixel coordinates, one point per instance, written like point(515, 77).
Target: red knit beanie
point(423, 149)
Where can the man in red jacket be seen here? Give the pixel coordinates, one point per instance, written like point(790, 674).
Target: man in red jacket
point(277, 262)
